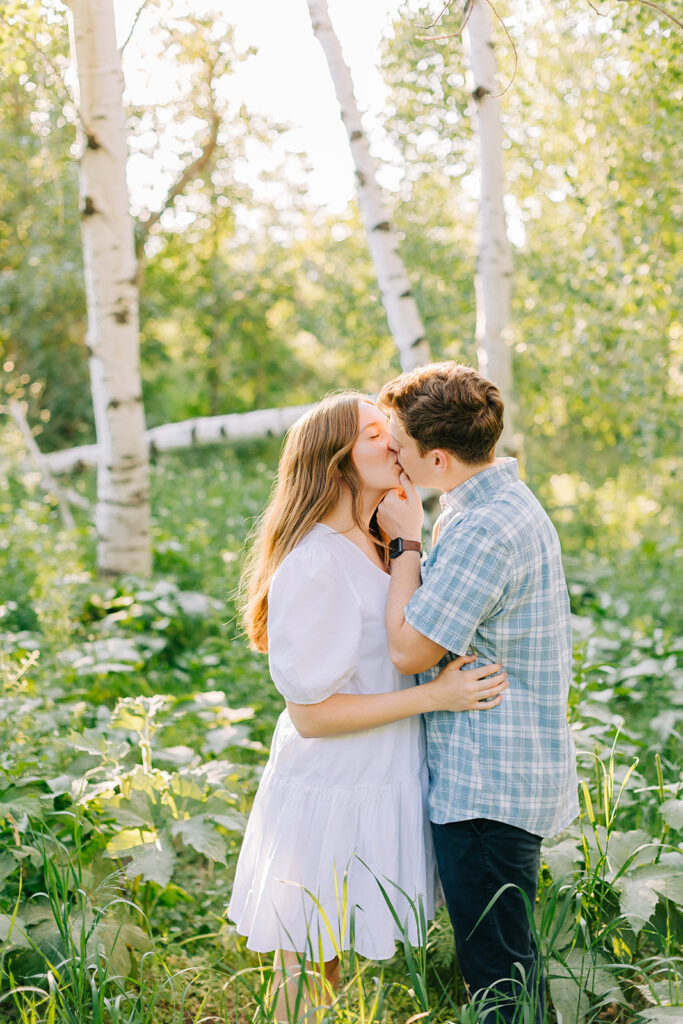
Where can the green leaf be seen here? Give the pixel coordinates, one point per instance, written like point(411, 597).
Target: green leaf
point(642, 888)
point(129, 839)
point(118, 939)
point(662, 1015)
point(562, 857)
point(569, 999)
point(8, 864)
point(18, 802)
point(152, 862)
point(178, 755)
point(588, 968)
point(234, 822)
point(672, 812)
point(647, 667)
point(622, 845)
point(671, 886)
point(202, 836)
point(12, 931)
point(185, 787)
point(225, 736)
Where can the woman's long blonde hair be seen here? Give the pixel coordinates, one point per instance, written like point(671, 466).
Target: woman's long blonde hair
point(314, 466)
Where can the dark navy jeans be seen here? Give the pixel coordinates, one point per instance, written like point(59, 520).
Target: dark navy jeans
point(476, 858)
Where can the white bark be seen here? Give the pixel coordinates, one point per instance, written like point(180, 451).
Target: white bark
point(122, 513)
point(187, 433)
point(494, 264)
point(49, 483)
point(403, 316)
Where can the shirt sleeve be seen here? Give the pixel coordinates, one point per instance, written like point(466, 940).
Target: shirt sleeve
point(462, 588)
point(314, 626)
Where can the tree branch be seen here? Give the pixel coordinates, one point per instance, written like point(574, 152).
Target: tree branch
point(133, 26)
point(48, 481)
point(657, 7)
point(191, 171)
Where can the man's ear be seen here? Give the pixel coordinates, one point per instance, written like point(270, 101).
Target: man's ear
point(441, 460)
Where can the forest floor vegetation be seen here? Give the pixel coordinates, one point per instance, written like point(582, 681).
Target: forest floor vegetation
point(134, 722)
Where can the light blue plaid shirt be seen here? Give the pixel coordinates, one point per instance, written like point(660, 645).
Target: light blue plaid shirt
point(493, 585)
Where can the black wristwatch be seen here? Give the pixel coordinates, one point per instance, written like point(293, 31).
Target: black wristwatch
point(399, 545)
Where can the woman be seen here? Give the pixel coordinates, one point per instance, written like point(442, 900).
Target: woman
point(342, 798)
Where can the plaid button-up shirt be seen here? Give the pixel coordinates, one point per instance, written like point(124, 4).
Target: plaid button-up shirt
point(493, 585)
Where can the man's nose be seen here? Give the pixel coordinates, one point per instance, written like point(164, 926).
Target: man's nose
point(391, 444)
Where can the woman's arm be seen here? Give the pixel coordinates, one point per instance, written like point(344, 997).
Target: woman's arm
point(454, 689)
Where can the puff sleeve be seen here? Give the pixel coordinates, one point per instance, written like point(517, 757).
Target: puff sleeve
point(314, 626)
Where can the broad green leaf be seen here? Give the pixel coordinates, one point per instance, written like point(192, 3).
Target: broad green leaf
point(118, 939)
point(225, 736)
point(672, 812)
point(569, 999)
point(562, 935)
point(641, 890)
point(19, 802)
point(662, 1015)
point(13, 931)
point(127, 817)
point(39, 909)
point(622, 845)
point(139, 713)
point(94, 741)
point(217, 771)
point(648, 667)
point(8, 864)
point(671, 886)
point(588, 968)
point(60, 784)
point(202, 836)
point(562, 858)
point(151, 783)
point(185, 787)
point(178, 755)
point(129, 839)
point(234, 822)
point(153, 863)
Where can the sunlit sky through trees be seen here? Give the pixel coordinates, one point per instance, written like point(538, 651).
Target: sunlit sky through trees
point(287, 80)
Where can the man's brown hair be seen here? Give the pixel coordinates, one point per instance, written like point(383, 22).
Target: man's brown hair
point(446, 405)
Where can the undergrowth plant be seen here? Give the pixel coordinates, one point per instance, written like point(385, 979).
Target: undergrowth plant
point(134, 722)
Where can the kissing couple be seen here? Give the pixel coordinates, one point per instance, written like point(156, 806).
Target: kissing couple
point(426, 696)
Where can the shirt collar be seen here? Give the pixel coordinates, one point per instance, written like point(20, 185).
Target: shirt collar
point(481, 485)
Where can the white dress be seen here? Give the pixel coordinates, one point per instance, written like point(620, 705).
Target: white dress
point(336, 816)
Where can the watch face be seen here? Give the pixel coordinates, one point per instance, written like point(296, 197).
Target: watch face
point(399, 545)
point(395, 547)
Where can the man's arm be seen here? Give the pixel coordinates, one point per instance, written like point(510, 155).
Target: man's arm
point(410, 651)
point(402, 517)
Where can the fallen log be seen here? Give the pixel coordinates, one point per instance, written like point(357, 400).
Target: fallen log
point(201, 430)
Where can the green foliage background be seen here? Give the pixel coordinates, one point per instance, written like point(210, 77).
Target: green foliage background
point(131, 743)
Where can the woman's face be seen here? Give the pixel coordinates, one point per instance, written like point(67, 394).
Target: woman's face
point(376, 463)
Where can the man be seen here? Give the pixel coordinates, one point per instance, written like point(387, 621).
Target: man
point(492, 586)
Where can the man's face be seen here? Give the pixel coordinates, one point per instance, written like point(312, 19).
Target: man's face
point(408, 453)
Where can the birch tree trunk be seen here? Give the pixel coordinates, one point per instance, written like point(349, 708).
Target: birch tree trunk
point(494, 263)
point(399, 303)
point(122, 512)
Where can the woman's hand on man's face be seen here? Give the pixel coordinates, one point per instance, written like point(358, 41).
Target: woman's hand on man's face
point(400, 512)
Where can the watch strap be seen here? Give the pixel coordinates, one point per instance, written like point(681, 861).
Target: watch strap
point(399, 545)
